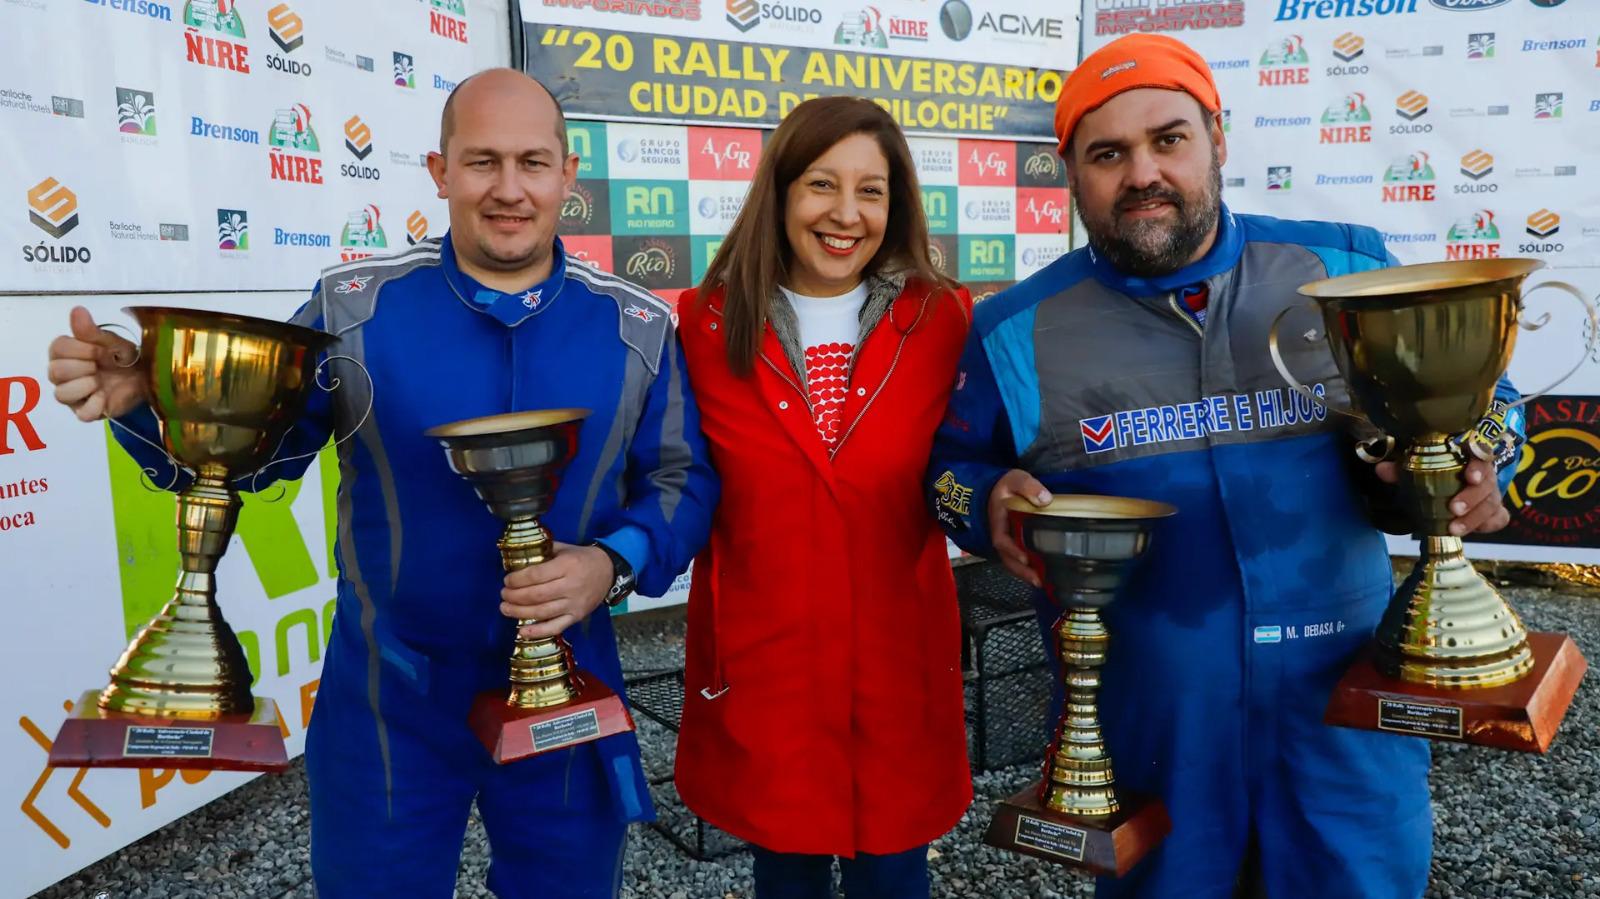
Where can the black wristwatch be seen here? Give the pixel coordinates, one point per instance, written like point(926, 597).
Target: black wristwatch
point(622, 576)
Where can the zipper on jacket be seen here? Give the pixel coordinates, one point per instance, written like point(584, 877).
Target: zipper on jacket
point(804, 397)
point(871, 399)
point(900, 347)
point(1172, 300)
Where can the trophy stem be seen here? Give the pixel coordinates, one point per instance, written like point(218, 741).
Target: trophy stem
point(187, 662)
point(1446, 626)
point(541, 668)
point(1078, 778)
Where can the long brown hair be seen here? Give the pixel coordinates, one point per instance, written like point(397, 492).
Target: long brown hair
point(750, 264)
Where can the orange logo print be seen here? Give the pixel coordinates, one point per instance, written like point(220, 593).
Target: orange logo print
point(1476, 164)
point(53, 207)
point(1544, 223)
point(286, 27)
point(1411, 104)
point(416, 227)
point(357, 137)
point(1348, 46)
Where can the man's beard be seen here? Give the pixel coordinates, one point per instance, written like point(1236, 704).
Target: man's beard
point(1152, 248)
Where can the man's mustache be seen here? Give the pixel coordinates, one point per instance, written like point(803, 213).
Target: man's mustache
point(1136, 197)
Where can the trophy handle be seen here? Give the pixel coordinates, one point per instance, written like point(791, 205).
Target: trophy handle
point(1294, 383)
point(147, 476)
point(1588, 341)
point(325, 388)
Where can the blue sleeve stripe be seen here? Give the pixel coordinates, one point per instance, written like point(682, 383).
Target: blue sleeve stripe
point(1345, 262)
point(631, 543)
point(1010, 349)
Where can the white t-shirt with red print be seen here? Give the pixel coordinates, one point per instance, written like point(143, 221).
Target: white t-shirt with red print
point(829, 327)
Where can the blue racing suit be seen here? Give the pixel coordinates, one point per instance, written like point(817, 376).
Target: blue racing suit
point(418, 632)
point(1252, 601)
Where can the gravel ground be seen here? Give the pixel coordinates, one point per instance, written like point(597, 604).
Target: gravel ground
point(1506, 824)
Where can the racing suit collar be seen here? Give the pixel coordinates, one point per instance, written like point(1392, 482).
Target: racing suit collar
point(1223, 255)
point(510, 309)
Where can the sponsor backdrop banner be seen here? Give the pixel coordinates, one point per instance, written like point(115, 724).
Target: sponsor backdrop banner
point(217, 145)
point(1463, 129)
point(232, 148)
point(654, 200)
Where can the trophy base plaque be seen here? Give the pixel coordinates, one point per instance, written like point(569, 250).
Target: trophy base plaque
point(1110, 845)
point(95, 738)
point(1520, 716)
point(511, 733)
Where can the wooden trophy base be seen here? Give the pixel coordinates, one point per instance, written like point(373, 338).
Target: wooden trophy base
point(95, 738)
point(1521, 716)
point(1110, 845)
point(511, 733)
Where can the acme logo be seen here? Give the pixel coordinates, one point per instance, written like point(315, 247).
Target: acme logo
point(53, 207)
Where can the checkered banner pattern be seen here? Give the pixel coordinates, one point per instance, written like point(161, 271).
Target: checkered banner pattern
point(653, 202)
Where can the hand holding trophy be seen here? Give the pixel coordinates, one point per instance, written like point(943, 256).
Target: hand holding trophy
point(1082, 548)
point(514, 462)
point(1421, 348)
point(225, 390)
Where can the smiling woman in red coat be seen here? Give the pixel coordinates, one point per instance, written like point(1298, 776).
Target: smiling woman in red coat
point(824, 708)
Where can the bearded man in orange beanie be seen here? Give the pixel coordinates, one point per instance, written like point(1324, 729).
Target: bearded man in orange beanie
point(1138, 366)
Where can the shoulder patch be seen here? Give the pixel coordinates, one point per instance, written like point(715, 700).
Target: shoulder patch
point(349, 292)
point(644, 320)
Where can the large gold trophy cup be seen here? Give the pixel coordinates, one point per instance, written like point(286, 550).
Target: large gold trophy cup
point(225, 389)
point(1082, 548)
point(514, 462)
point(1421, 348)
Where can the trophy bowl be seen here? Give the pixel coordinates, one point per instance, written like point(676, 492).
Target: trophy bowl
point(225, 388)
point(1083, 549)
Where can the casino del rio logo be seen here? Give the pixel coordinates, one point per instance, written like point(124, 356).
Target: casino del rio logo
point(1473, 236)
point(362, 234)
point(1409, 180)
point(653, 262)
point(1285, 62)
point(213, 35)
point(1347, 121)
point(1553, 493)
point(293, 147)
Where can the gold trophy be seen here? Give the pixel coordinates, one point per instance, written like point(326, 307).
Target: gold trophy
point(1082, 548)
point(225, 389)
point(1421, 348)
point(515, 462)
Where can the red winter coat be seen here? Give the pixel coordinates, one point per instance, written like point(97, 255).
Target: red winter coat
point(822, 616)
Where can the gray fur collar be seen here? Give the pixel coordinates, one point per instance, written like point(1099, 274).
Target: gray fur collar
point(882, 289)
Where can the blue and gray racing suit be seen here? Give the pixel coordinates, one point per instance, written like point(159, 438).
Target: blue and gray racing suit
point(418, 632)
point(1253, 600)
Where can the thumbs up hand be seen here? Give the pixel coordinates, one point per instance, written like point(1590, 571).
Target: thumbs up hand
point(93, 371)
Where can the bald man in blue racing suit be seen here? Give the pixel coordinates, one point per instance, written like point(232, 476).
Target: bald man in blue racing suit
point(494, 317)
